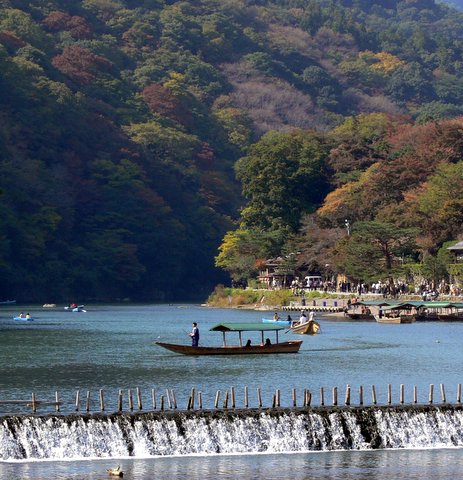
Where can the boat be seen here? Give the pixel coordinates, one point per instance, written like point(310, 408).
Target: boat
point(276, 322)
point(75, 308)
point(262, 348)
point(23, 319)
point(395, 318)
point(307, 328)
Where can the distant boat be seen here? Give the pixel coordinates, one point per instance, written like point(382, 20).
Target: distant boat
point(248, 349)
point(395, 318)
point(75, 308)
point(23, 319)
point(276, 322)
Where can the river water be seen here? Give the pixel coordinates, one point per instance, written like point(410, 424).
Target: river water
point(111, 348)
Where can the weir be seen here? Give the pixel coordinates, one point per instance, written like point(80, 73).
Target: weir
point(230, 431)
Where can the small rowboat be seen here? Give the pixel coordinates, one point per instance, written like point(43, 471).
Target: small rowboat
point(23, 319)
point(76, 308)
point(307, 328)
point(258, 349)
point(276, 322)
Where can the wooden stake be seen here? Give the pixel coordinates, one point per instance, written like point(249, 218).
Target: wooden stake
point(232, 396)
point(373, 394)
point(77, 400)
point(389, 393)
point(322, 396)
point(246, 397)
point(192, 396)
point(153, 398)
point(34, 405)
point(347, 399)
point(101, 400)
point(459, 393)
point(278, 397)
point(130, 397)
point(217, 398)
point(174, 399)
point(415, 395)
point(431, 393)
point(119, 402)
point(140, 404)
point(162, 402)
point(442, 392)
point(56, 402)
point(169, 403)
point(259, 397)
point(294, 398)
point(335, 396)
point(87, 402)
point(360, 395)
point(200, 400)
point(225, 400)
point(401, 394)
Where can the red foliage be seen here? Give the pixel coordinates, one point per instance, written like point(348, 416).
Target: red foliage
point(11, 41)
point(60, 21)
point(80, 64)
point(161, 100)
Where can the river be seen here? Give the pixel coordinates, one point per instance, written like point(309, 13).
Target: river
point(111, 347)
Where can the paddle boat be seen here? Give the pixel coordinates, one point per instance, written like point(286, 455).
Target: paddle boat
point(262, 348)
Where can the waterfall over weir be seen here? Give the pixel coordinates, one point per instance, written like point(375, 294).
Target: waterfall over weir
point(230, 431)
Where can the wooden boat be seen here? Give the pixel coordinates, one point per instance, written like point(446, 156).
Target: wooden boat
point(276, 322)
point(307, 328)
point(394, 318)
point(264, 348)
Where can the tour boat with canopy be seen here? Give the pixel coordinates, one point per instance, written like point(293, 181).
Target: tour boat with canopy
point(261, 348)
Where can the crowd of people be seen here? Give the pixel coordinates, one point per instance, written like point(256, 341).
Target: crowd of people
point(426, 290)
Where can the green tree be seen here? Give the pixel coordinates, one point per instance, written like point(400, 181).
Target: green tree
point(283, 176)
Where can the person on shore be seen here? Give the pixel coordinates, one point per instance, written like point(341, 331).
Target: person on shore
point(194, 335)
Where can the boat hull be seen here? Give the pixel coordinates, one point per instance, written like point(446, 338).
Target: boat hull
point(396, 319)
point(284, 347)
point(306, 328)
point(23, 319)
point(276, 322)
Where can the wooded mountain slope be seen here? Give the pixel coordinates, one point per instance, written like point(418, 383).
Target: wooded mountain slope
point(121, 122)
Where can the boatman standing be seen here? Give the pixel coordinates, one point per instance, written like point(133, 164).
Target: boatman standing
point(194, 335)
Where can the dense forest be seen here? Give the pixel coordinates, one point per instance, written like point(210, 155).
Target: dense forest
point(136, 137)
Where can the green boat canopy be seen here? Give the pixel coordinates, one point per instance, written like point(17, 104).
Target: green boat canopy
point(246, 327)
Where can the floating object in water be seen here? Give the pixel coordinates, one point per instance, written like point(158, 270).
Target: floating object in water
point(115, 472)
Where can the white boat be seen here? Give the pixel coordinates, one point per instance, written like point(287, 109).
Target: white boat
point(75, 308)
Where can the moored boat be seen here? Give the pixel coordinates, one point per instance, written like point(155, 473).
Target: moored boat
point(395, 318)
point(264, 348)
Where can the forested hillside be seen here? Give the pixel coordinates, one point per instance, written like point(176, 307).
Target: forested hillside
point(122, 122)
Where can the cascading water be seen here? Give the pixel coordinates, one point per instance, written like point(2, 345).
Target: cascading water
point(251, 431)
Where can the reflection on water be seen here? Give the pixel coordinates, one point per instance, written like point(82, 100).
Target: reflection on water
point(372, 465)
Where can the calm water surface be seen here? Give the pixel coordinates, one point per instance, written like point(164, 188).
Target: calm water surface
point(111, 347)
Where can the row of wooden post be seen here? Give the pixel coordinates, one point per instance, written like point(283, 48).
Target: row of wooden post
point(169, 401)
